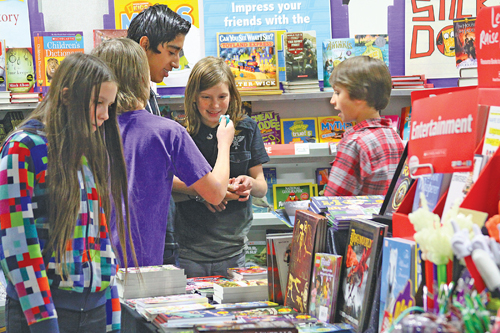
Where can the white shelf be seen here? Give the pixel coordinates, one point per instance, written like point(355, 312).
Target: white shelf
point(266, 219)
point(18, 106)
point(286, 97)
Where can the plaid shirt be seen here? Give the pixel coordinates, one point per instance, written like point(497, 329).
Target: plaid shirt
point(24, 231)
point(367, 157)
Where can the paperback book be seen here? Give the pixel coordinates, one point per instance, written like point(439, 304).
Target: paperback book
point(465, 36)
point(50, 49)
point(150, 313)
point(322, 179)
point(397, 290)
point(335, 51)
point(251, 57)
point(309, 235)
point(359, 272)
point(299, 130)
point(192, 318)
point(247, 273)
point(292, 192)
point(301, 56)
point(250, 327)
point(332, 128)
point(324, 286)
point(269, 125)
point(375, 46)
point(432, 187)
point(256, 254)
point(20, 70)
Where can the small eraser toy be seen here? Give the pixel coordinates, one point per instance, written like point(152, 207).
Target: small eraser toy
point(222, 116)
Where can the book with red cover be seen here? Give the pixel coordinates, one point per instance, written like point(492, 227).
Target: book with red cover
point(309, 237)
point(360, 272)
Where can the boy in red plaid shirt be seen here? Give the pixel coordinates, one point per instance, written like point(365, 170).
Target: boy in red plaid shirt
point(369, 152)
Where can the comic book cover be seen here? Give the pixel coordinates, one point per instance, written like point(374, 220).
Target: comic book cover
point(465, 51)
point(252, 58)
point(374, 46)
point(335, 51)
point(332, 128)
point(324, 286)
point(50, 49)
point(396, 291)
point(308, 238)
point(301, 56)
point(359, 267)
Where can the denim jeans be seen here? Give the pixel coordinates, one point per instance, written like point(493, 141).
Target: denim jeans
point(197, 268)
point(91, 321)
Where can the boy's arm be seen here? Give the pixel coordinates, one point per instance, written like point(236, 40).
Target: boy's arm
point(344, 179)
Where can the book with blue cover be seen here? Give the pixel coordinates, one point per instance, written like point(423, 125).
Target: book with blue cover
point(432, 187)
point(335, 51)
point(398, 279)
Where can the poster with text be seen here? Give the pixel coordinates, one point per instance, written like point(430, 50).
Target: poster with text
point(126, 10)
point(15, 23)
point(429, 42)
point(244, 16)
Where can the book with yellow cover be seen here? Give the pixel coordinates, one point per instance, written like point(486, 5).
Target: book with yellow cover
point(332, 128)
point(299, 130)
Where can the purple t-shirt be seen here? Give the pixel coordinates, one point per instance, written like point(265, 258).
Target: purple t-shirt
point(155, 150)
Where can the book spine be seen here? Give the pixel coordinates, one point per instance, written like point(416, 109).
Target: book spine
point(40, 68)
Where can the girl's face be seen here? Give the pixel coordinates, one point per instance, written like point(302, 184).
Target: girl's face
point(106, 97)
point(212, 103)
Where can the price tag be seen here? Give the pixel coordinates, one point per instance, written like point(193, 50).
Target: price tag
point(333, 148)
point(301, 149)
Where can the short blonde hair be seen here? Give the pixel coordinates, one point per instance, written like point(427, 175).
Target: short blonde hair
point(129, 63)
point(208, 72)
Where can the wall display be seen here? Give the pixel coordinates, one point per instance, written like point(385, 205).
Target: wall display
point(125, 11)
point(430, 46)
point(240, 15)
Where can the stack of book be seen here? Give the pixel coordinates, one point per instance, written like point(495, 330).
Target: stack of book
point(341, 209)
point(149, 281)
point(24, 98)
point(468, 77)
point(204, 285)
point(410, 82)
point(188, 319)
point(240, 291)
point(300, 87)
point(151, 311)
point(5, 97)
point(247, 273)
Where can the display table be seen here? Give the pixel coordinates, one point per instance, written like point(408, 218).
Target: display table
point(133, 322)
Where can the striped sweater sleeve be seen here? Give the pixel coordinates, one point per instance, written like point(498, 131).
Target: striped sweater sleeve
point(20, 251)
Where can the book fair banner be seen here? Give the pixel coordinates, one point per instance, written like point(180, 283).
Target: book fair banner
point(126, 10)
point(246, 16)
point(430, 40)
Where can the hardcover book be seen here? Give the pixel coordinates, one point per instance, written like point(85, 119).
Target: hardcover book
point(280, 47)
point(105, 34)
point(465, 36)
point(332, 128)
point(292, 192)
point(375, 46)
point(397, 288)
point(324, 286)
point(335, 51)
point(359, 272)
point(50, 49)
point(322, 179)
point(309, 235)
point(251, 57)
point(301, 56)
point(20, 70)
point(3, 72)
point(280, 261)
point(299, 130)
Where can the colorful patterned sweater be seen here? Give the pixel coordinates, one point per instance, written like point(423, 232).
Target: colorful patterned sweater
point(24, 231)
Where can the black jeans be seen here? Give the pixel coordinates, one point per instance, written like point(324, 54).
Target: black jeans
point(92, 321)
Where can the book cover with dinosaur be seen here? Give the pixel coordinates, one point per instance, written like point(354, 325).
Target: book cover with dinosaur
point(359, 272)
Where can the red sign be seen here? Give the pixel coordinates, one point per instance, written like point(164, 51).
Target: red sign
point(487, 47)
point(445, 130)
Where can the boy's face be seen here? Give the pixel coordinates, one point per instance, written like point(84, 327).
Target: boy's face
point(349, 109)
point(160, 64)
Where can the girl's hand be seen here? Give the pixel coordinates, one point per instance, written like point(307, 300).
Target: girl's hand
point(225, 132)
point(216, 208)
point(243, 185)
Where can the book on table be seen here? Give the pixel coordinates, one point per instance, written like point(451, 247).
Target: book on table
point(247, 273)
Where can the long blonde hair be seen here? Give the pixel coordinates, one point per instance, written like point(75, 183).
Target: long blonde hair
point(208, 72)
point(65, 111)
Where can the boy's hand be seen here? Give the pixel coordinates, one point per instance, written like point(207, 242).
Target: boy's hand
point(225, 132)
